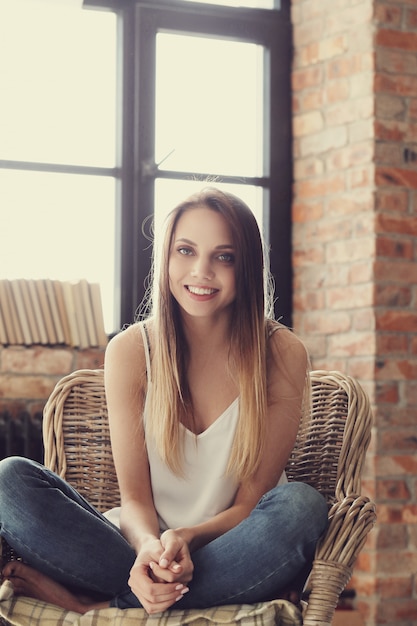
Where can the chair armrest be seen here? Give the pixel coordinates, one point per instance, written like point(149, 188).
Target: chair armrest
point(349, 524)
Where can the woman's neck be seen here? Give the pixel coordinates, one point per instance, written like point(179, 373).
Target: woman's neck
point(201, 333)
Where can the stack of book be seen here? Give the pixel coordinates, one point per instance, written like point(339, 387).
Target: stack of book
point(51, 312)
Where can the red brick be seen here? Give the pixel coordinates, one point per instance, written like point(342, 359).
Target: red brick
point(363, 319)
point(387, 14)
point(411, 18)
point(354, 296)
point(13, 386)
point(307, 123)
point(92, 358)
point(411, 394)
point(307, 77)
point(391, 343)
point(322, 142)
point(412, 108)
point(359, 202)
point(350, 250)
point(332, 323)
point(361, 177)
point(392, 416)
point(402, 321)
point(394, 224)
point(389, 107)
point(346, 18)
point(307, 31)
point(412, 530)
point(388, 154)
point(387, 392)
point(323, 186)
point(306, 211)
point(395, 62)
point(395, 562)
point(394, 248)
point(400, 440)
point(391, 130)
point(396, 39)
point(308, 168)
point(395, 271)
point(309, 255)
point(398, 85)
point(312, 99)
point(395, 587)
point(392, 295)
point(362, 584)
point(351, 155)
point(350, 111)
point(352, 344)
point(362, 369)
point(392, 200)
point(396, 369)
point(345, 66)
point(396, 176)
point(361, 130)
point(37, 360)
point(336, 90)
point(397, 612)
point(309, 301)
point(394, 537)
point(361, 272)
point(396, 465)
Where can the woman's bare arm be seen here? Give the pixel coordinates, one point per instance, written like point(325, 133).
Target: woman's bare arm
point(125, 380)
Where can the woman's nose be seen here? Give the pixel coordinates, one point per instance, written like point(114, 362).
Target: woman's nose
point(202, 269)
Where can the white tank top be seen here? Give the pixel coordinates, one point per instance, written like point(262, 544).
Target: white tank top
point(205, 489)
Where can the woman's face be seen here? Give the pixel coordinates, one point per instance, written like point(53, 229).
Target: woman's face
point(202, 263)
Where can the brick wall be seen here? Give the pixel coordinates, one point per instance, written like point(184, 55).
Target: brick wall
point(355, 253)
point(29, 374)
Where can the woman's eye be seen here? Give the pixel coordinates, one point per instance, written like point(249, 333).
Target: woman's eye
point(185, 251)
point(226, 257)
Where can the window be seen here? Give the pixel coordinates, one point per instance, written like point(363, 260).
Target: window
point(58, 144)
point(206, 95)
point(88, 159)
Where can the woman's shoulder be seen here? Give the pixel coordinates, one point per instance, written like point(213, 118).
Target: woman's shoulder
point(284, 344)
point(127, 347)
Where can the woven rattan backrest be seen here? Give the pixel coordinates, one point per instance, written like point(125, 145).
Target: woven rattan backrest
point(330, 449)
point(329, 452)
point(76, 437)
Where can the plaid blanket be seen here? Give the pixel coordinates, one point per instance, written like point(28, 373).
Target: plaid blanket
point(21, 611)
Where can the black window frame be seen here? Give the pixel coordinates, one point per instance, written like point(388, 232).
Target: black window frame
point(138, 22)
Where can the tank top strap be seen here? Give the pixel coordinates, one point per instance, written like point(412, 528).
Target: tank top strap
point(146, 345)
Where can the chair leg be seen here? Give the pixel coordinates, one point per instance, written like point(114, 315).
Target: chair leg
point(327, 581)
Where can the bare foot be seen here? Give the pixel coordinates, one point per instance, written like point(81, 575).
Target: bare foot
point(29, 582)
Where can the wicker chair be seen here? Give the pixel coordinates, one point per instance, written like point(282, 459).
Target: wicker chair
point(329, 455)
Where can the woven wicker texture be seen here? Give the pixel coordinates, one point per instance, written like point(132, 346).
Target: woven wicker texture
point(329, 454)
point(77, 440)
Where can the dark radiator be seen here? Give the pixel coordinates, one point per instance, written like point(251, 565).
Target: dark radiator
point(21, 435)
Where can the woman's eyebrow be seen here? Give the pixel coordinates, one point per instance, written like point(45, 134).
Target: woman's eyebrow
point(223, 246)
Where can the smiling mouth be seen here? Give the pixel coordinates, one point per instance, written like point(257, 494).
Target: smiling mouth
point(201, 291)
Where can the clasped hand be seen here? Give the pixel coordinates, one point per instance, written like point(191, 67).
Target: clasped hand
point(161, 571)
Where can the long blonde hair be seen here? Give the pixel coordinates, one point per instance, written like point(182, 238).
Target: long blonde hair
point(170, 401)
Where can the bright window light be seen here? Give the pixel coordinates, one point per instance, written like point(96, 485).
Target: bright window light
point(205, 124)
point(58, 106)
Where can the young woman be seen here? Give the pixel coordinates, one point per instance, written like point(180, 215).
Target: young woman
point(205, 399)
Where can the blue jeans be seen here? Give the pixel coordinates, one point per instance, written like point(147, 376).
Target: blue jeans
point(56, 531)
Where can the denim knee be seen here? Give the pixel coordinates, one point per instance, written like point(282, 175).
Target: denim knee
point(307, 499)
point(303, 506)
point(10, 467)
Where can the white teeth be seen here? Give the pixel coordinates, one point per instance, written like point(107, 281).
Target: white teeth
point(201, 291)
